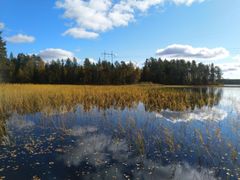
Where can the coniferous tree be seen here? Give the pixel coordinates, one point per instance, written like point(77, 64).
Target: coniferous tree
point(4, 64)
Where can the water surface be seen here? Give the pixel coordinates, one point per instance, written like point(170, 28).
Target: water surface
point(142, 139)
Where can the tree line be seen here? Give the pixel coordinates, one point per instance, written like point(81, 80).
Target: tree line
point(180, 72)
point(32, 69)
point(231, 81)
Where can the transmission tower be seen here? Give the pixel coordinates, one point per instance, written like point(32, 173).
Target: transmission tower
point(107, 54)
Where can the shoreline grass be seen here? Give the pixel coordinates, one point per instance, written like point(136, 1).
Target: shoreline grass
point(53, 99)
point(22, 98)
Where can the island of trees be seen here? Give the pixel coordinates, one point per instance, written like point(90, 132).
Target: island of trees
point(32, 69)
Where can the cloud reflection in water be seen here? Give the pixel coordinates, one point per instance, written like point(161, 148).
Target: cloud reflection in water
point(203, 114)
point(113, 159)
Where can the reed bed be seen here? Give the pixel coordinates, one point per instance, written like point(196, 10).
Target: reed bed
point(22, 99)
point(53, 99)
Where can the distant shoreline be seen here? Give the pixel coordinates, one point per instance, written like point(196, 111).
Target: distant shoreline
point(127, 85)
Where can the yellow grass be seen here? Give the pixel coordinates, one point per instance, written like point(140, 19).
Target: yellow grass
point(48, 99)
point(38, 98)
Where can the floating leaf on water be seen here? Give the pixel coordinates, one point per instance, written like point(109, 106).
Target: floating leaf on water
point(36, 178)
point(59, 150)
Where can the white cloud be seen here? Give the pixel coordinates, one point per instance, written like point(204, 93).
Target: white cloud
point(204, 114)
point(174, 171)
point(237, 58)
point(16, 122)
point(100, 149)
point(21, 38)
point(54, 54)
point(230, 70)
point(93, 148)
point(79, 131)
point(96, 16)
point(80, 33)
point(187, 51)
point(187, 2)
point(2, 25)
point(92, 60)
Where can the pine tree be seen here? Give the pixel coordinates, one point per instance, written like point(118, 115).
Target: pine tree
point(3, 51)
point(4, 64)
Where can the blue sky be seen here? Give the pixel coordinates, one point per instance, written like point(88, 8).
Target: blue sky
point(204, 30)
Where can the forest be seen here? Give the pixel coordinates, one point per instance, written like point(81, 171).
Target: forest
point(32, 69)
point(230, 81)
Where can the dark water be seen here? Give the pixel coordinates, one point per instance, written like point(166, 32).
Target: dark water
point(130, 143)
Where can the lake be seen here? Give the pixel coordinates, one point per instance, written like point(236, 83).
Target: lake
point(111, 132)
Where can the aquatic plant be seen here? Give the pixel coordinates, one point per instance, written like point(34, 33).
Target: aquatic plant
point(60, 99)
